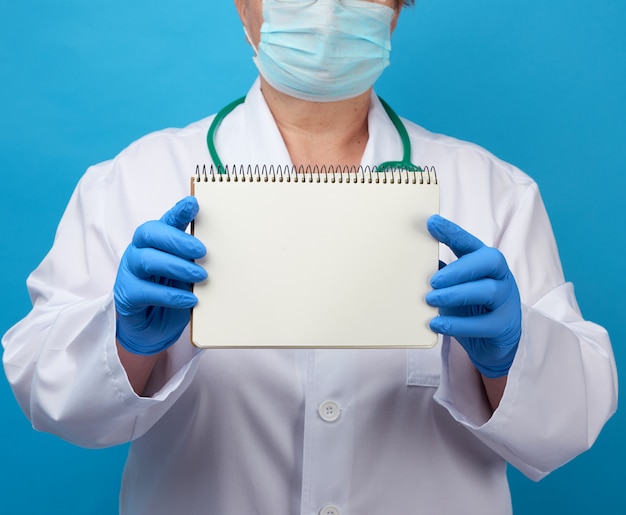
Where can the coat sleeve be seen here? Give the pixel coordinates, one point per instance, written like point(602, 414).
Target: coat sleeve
point(61, 360)
point(562, 386)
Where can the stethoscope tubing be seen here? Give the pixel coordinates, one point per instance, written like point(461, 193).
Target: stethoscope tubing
point(404, 164)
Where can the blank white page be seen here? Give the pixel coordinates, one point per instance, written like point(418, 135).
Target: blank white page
point(342, 262)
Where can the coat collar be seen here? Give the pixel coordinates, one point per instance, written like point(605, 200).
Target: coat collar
point(250, 136)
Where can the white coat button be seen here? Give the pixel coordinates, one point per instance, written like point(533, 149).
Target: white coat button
point(329, 510)
point(329, 411)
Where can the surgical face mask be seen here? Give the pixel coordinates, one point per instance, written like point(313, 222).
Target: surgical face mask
point(323, 50)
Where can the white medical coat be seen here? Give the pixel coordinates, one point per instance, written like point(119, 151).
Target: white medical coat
point(239, 431)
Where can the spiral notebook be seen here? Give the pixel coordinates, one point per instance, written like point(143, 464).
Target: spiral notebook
point(321, 259)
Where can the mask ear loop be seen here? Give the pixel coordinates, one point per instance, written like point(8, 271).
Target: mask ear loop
point(256, 50)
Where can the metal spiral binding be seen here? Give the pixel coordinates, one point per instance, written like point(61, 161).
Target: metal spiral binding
point(315, 174)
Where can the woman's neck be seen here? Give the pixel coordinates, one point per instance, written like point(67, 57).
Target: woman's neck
point(320, 133)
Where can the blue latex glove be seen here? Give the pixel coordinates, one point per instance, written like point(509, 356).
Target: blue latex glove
point(478, 300)
point(152, 290)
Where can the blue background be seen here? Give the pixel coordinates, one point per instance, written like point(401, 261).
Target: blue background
point(540, 84)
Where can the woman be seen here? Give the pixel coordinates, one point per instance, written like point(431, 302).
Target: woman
point(103, 358)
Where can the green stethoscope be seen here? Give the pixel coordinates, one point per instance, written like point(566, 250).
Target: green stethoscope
point(404, 164)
